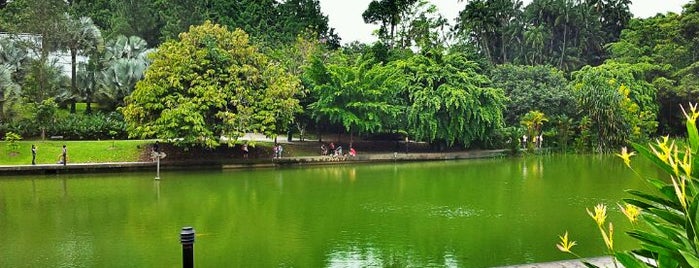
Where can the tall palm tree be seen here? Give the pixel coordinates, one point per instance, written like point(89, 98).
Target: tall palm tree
point(81, 35)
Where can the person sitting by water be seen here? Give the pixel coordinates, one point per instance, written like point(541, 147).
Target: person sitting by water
point(323, 150)
point(352, 152)
point(338, 151)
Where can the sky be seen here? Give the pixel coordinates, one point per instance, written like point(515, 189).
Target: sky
point(346, 15)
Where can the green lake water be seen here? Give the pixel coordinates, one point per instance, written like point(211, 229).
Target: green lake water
point(470, 213)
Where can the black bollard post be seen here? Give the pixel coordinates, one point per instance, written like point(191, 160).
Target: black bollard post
point(187, 240)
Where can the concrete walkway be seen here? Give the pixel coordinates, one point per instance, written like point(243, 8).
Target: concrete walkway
point(240, 163)
point(607, 262)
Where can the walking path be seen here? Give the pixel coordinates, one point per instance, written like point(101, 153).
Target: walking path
point(241, 163)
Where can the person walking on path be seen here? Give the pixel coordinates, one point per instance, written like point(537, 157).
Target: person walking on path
point(65, 155)
point(33, 154)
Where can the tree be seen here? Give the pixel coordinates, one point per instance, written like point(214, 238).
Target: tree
point(210, 84)
point(530, 88)
point(296, 58)
point(668, 42)
point(389, 14)
point(43, 21)
point(80, 35)
point(44, 114)
point(533, 121)
point(360, 95)
point(13, 61)
point(620, 104)
point(422, 26)
point(449, 101)
point(45, 80)
point(494, 26)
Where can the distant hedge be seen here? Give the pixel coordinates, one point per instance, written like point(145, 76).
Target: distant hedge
point(74, 127)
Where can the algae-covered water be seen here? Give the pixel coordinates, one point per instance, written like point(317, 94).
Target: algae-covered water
point(470, 213)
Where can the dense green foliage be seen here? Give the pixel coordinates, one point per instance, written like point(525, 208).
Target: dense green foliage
point(211, 83)
point(530, 88)
point(599, 77)
point(74, 127)
point(449, 101)
point(619, 103)
point(273, 22)
point(361, 96)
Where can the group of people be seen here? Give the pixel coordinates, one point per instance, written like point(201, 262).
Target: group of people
point(277, 149)
point(333, 151)
point(538, 141)
point(62, 158)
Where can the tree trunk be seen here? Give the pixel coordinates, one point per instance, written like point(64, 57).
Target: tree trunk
point(88, 95)
point(73, 78)
point(563, 49)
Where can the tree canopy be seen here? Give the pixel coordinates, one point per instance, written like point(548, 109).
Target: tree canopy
point(449, 101)
point(212, 83)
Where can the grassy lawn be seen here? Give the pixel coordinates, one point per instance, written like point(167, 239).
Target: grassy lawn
point(48, 152)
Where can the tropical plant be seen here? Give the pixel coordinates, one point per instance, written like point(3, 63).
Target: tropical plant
point(669, 211)
point(112, 74)
point(45, 115)
point(80, 35)
point(619, 102)
point(210, 84)
point(449, 101)
point(9, 93)
point(44, 80)
point(532, 122)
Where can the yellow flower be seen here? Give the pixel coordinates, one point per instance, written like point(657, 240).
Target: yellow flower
point(680, 190)
point(692, 108)
point(630, 211)
point(674, 163)
point(600, 214)
point(626, 156)
point(686, 163)
point(565, 245)
point(665, 151)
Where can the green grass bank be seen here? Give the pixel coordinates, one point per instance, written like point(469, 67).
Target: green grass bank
point(49, 151)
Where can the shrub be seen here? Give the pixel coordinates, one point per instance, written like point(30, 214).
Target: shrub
point(12, 138)
point(76, 127)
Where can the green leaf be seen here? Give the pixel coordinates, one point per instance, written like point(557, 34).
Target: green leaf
point(692, 136)
point(690, 257)
point(659, 200)
point(629, 261)
point(646, 153)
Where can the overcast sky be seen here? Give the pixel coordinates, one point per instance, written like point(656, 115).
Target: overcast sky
point(346, 15)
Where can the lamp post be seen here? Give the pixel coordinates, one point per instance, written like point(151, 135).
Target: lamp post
point(187, 240)
point(158, 156)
